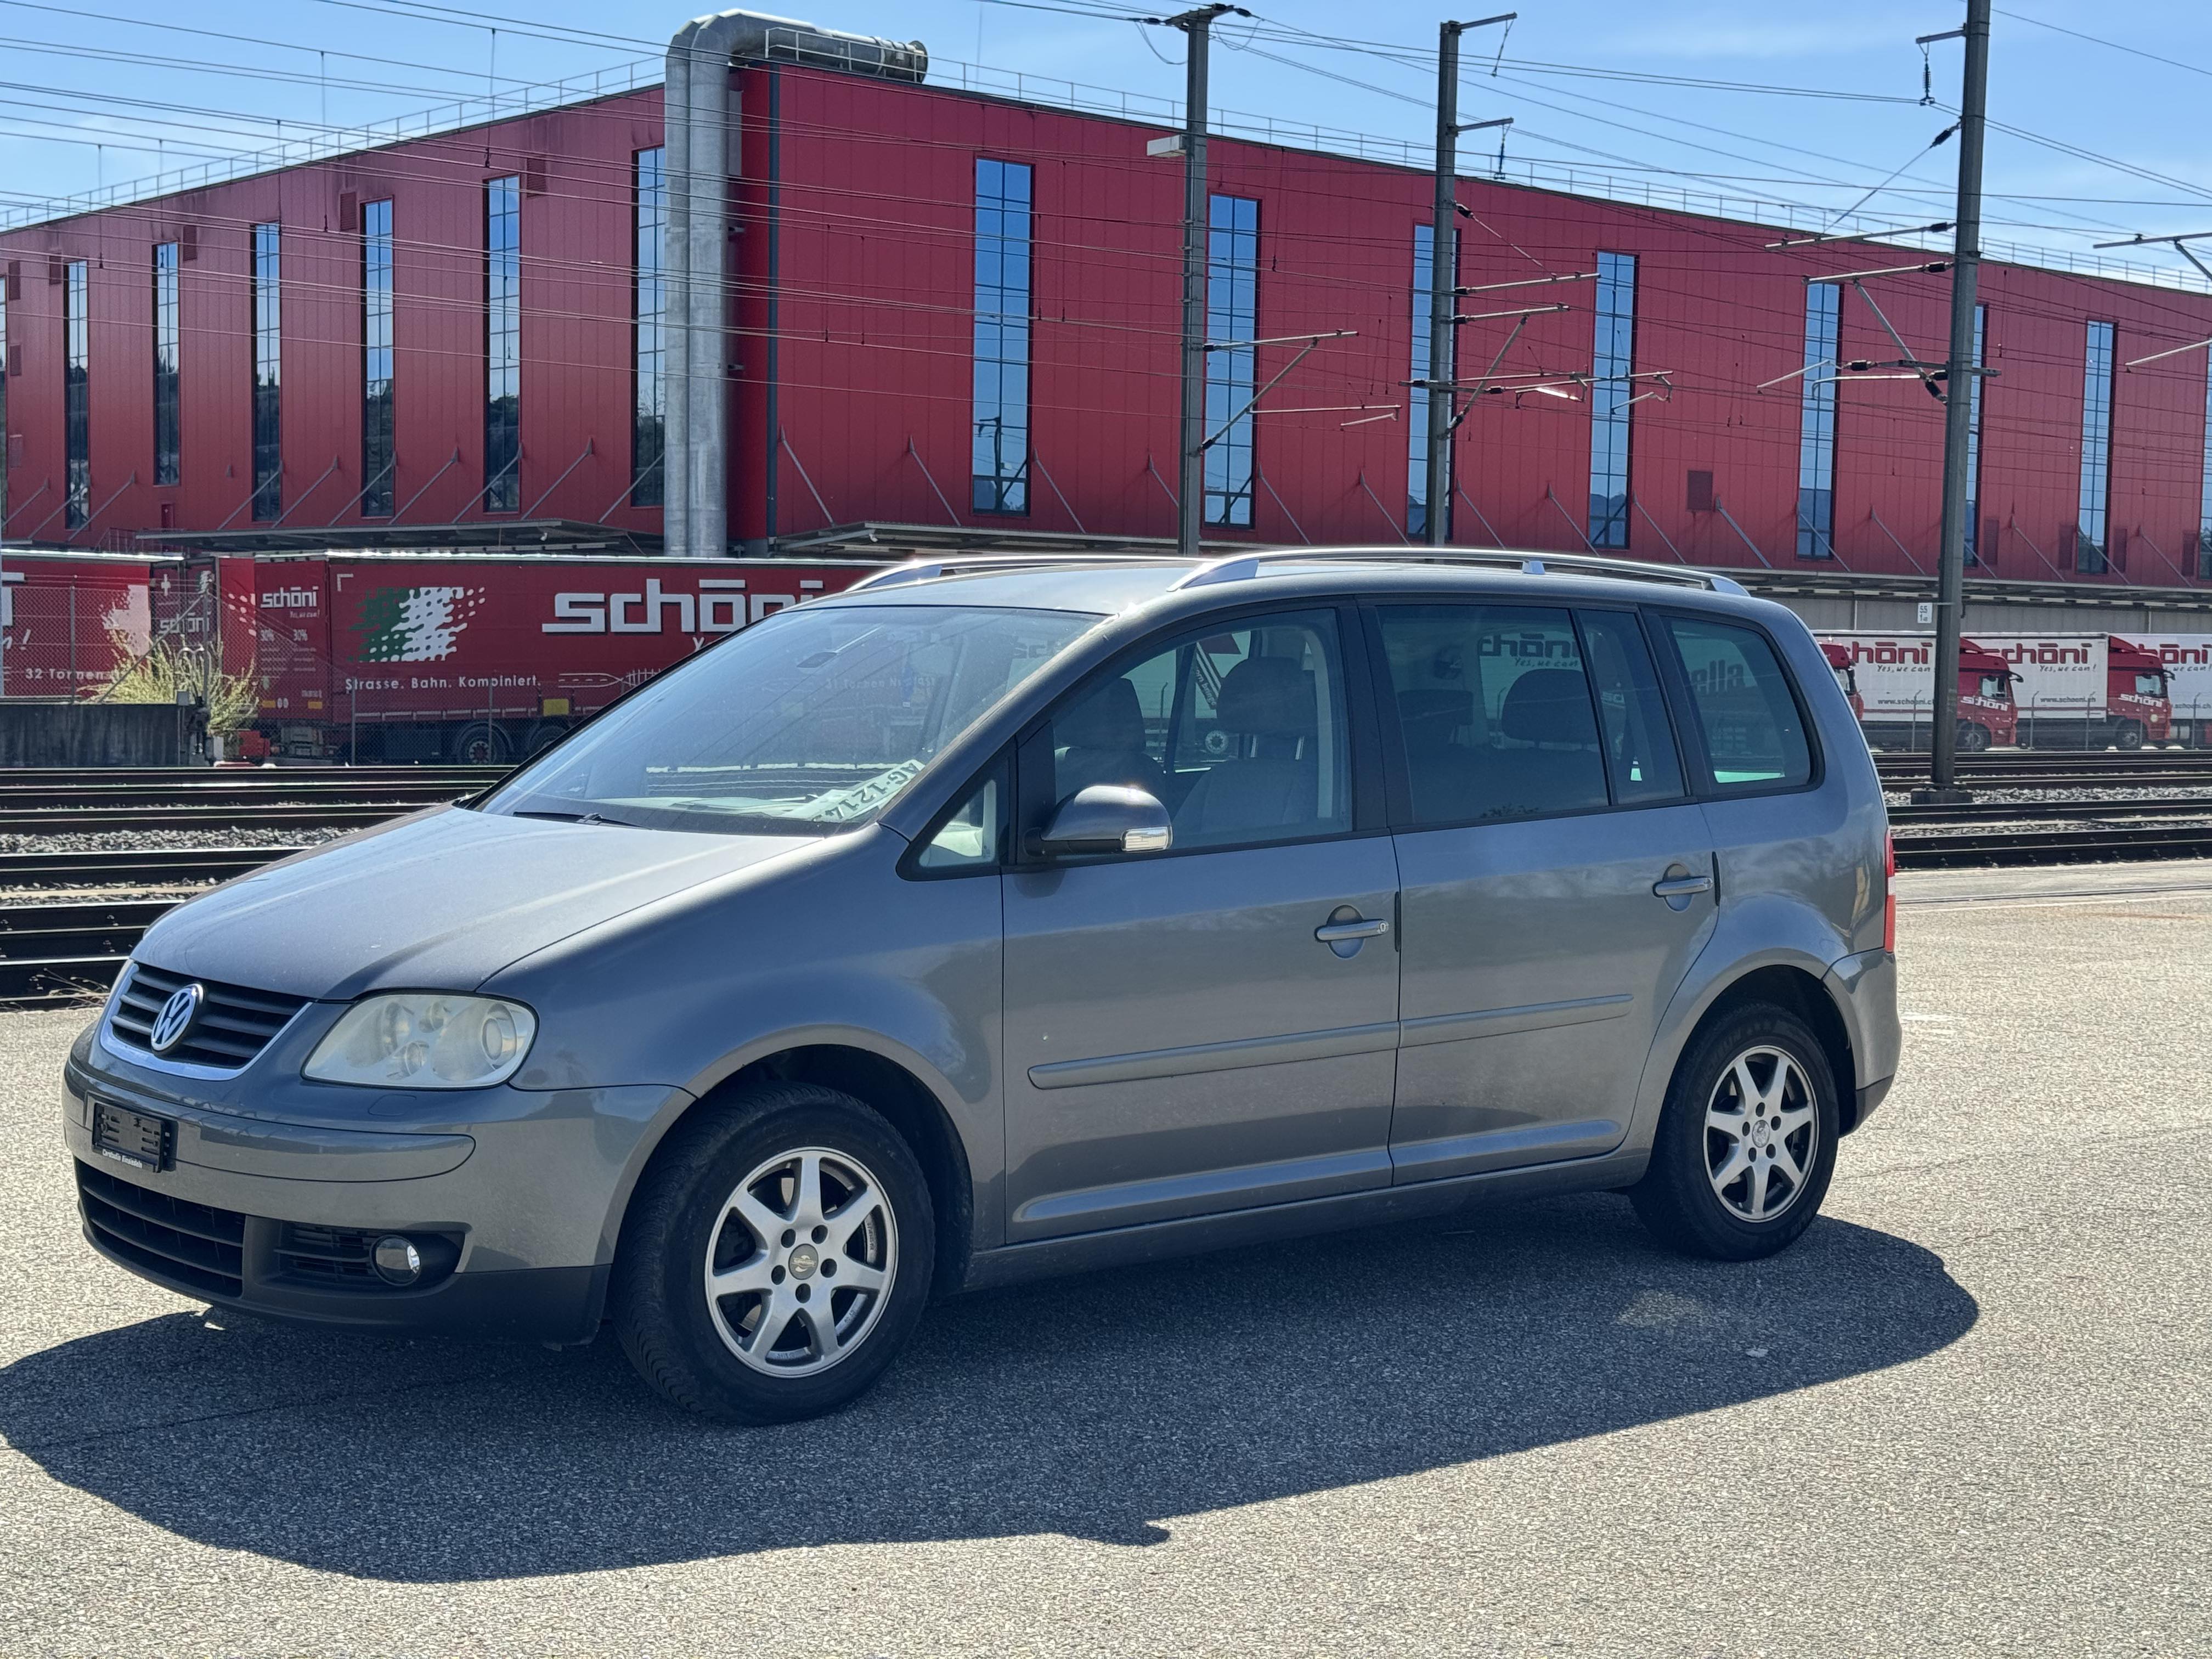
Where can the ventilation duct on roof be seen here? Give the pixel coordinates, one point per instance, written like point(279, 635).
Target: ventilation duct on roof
point(701, 110)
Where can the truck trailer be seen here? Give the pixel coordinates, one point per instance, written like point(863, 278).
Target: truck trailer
point(1890, 679)
point(2085, 690)
point(480, 658)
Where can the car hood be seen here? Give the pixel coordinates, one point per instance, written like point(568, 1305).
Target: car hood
point(441, 901)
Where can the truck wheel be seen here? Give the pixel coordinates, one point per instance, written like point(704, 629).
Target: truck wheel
point(2130, 735)
point(1973, 737)
point(541, 738)
point(1747, 1140)
point(480, 743)
point(776, 1257)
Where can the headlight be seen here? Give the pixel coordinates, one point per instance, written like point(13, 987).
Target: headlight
point(425, 1040)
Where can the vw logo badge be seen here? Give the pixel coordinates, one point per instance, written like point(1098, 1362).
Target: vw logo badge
point(176, 1018)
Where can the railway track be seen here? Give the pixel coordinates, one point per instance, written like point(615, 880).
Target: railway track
point(2033, 811)
point(58, 945)
point(1997, 844)
point(2143, 769)
point(33, 803)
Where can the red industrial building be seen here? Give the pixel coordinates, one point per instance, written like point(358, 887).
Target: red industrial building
point(953, 317)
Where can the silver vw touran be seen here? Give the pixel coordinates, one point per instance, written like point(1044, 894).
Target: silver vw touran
point(1005, 917)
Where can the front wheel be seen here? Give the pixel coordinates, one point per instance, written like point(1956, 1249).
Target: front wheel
point(2130, 735)
point(776, 1258)
point(1747, 1141)
point(1973, 737)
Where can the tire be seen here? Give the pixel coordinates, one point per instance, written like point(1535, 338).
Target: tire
point(2130, 735)
point(755, 1155)
point(1683, 1198)
point(541, 736)
point(1973, 737)
point(480, 743)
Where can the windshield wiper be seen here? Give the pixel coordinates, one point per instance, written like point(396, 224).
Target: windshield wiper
point(575, 817)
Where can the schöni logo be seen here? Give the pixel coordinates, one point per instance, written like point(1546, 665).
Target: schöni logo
point(290, 598)
point(721, 606)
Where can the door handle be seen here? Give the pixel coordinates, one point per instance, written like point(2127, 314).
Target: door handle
point(1331, 933)
point(1682, 886)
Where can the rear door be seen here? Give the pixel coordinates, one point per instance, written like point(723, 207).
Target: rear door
point(1556, 880)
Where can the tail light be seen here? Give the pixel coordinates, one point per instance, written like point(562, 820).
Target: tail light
point(1889, 894)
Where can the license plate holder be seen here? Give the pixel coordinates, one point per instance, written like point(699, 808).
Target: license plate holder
point(136, 1138)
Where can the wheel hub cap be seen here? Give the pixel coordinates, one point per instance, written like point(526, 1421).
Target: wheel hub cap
point(1762, 1133)
point(801, 1262)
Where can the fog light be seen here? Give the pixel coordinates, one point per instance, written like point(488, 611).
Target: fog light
point(397, 1261)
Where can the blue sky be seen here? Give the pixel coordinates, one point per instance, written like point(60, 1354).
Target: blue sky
point(2117, 145)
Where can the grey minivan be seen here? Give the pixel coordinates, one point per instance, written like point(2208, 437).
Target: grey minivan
point(1003, 917)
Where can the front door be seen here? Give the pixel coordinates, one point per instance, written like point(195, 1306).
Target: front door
point(1193, 1030)
point(1557, 882)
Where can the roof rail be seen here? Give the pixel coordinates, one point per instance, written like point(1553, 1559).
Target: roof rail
point(923, 570)
point(1243, 567)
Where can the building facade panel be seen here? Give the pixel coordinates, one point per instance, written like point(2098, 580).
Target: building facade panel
point(851, 356)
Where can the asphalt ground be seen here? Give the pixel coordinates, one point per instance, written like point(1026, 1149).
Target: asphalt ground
point(1967, 1414)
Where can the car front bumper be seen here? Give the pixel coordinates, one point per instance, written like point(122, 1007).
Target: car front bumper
point(527, 1190)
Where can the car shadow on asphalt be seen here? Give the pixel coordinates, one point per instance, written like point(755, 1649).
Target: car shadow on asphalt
point(1098, 1407)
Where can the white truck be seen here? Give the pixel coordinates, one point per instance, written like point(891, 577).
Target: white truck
point(1890, 679)
point(2085, 690)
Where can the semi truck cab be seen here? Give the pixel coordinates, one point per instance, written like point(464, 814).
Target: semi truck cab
point(1839, 660)
point(2138, 691)
point(1987, 714)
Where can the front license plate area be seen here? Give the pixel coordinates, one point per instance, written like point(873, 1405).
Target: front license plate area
point(139, 1139)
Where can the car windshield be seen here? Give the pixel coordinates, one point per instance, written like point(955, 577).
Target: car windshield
point(808, 722)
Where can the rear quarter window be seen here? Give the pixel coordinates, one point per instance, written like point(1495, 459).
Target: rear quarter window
point(1754, 732)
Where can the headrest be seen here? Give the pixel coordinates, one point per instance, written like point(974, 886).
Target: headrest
point(1266, 698)
point(1430, 715)
point(1108, 716)
point(1549, 705)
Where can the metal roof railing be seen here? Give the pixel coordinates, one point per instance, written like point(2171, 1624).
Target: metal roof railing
point(1247, 567)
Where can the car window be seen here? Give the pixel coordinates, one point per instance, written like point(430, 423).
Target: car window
point(1639, 742)
point(1754, 736)
point(1494, 706)
point(809, 721)
point(1238, 731)
point(968, 837)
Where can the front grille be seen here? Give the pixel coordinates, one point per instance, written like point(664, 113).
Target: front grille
point(187, 1244)
point(234, 1022)
point(337, 1257)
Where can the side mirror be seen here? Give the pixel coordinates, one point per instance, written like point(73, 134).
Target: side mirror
point(1106, 818)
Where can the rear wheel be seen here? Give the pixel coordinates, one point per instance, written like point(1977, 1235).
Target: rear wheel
point(541, 736)
point(776, 1258)
point(480, 743)
point(1747, 1141)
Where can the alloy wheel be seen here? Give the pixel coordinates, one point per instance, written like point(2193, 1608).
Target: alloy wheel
point(1762, 1130)
point(801, 1260)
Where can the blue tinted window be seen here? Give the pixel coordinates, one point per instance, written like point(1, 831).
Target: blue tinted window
point(1816, 423)
point(1612, 362)
point(1416, 409)
point(2095, 500)
point(1232, 317)
point(166, 460)
point(502, 455)
point(649, 307)
point(1000, 468)
point(376, 451)
point(268, 374)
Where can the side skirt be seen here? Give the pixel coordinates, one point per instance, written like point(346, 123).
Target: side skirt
point(1048, 1258)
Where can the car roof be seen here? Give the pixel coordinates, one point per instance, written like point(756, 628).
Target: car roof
point(1108, 585)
